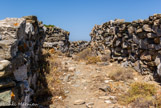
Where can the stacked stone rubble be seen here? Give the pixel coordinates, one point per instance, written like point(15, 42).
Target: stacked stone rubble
point(20, 47)
point(56, 38)
point(136, 43)
point(97, 40)
point(78, 46)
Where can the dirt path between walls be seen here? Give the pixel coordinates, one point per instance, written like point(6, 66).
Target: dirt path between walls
point(82, 83)
point(89, 86)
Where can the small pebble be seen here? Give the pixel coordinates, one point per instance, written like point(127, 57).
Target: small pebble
point(79, 102)
point(108, 101)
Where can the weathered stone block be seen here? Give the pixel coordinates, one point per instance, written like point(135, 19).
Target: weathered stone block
point(147, 28)
point(139, 30)
point(151, 35)
point(6, 83)
point(5, 98)
point(21, 73)
point(158, 32)
point(159, 69)
point(4, 64)
point(8, 48)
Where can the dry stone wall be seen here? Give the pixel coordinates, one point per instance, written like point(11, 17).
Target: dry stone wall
point(78, 46)
point(136, 43)
point(56, 38)
point(21, 43)
point(20, 48)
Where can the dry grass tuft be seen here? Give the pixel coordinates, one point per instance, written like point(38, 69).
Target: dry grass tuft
point(158, 99)
point(119, 73)
point(52, 51)
point(105, 58)
point(84, 54)
point(56, 53)
point(141, 95)
point(90, 57)
point(93, 60)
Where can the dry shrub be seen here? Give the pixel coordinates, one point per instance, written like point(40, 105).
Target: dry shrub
point(141, 95)
point(83, 55)
point(142, 89)
point(119, 73)
point(93, 60)
point(147, 102)
point(91, 57)
point(53, 51)
point(158, 99)
point(59, 53)
point(54, 63)
point(88, 55)
point(105, 58)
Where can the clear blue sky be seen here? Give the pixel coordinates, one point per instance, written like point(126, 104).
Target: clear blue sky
point(79, 16)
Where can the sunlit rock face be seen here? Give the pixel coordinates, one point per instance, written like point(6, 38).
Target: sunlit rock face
point(21, 41)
